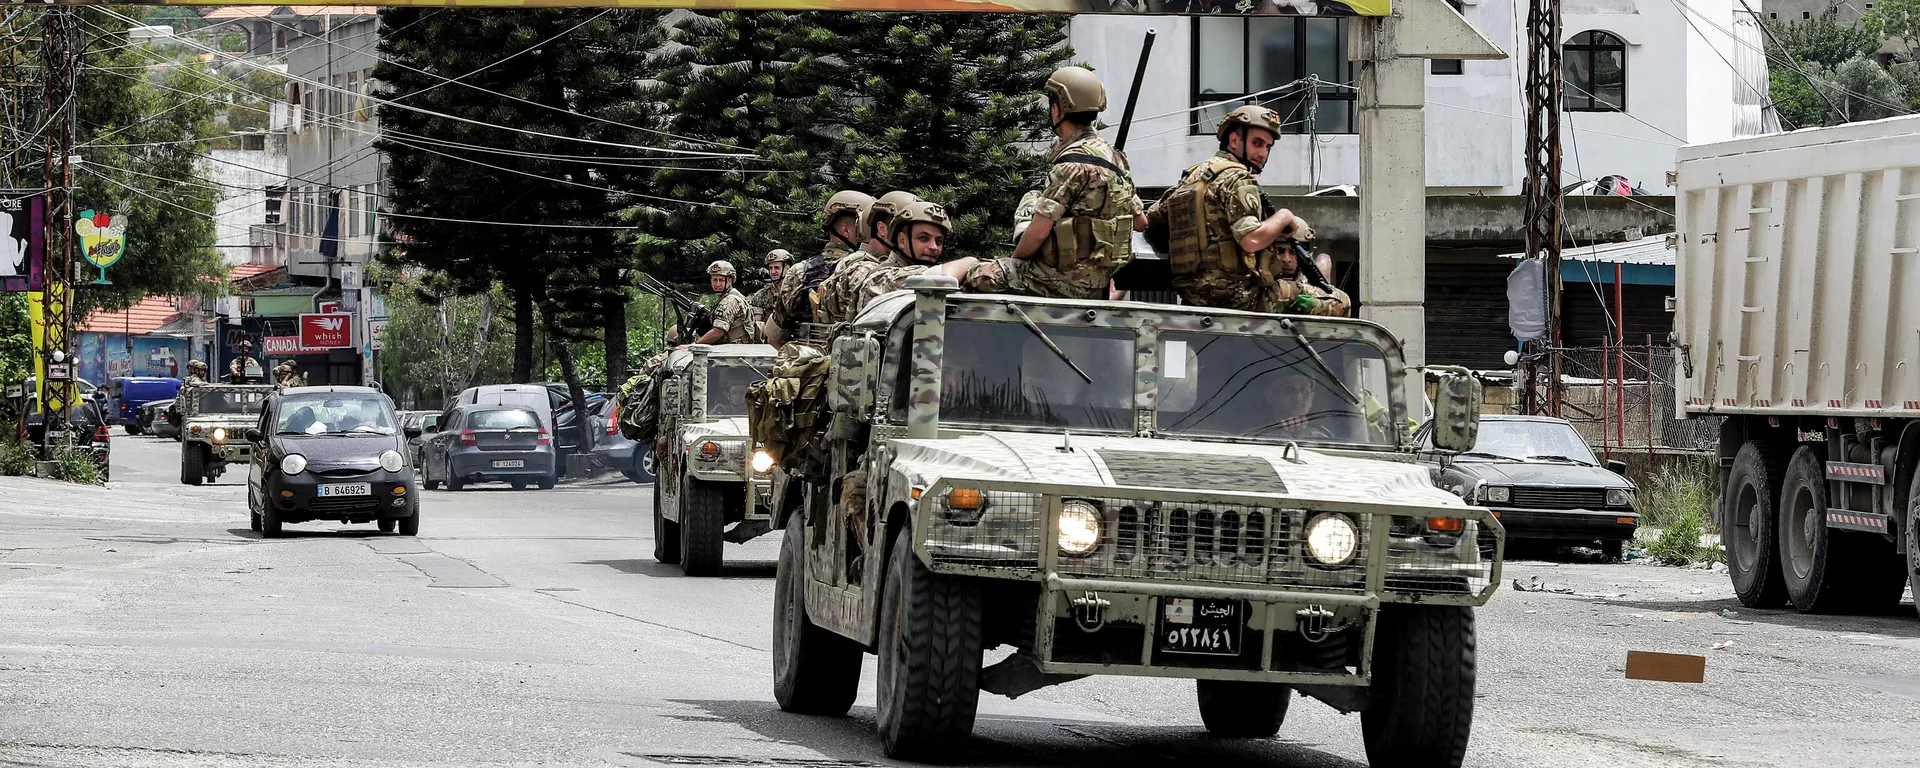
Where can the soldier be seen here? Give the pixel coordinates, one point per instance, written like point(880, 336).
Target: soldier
point(239, 371)
point(919, 239)
point(1222, 251)
point(839, 295)
point(761, 302)
point(1295, 295)
point(731, 317)
point(196, 373)
point(1081, 230)
point(840, 219)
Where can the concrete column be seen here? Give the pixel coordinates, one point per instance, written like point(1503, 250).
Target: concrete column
point(1393, 203)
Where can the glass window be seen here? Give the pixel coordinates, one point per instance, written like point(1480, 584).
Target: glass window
point(1004, 374)
point(231, 401)
point(1594, 67)
point(727, 389)
point(1234, 57)
point(504, 418)
point(1267, 387)
point(330, 413)
point(1525, 439)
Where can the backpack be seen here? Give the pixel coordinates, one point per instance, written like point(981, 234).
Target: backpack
point(785, 410)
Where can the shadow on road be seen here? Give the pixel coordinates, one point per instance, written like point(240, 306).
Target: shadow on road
point(309, 533)
point(732, 569)
point(1027, 742)
point(1897, 623)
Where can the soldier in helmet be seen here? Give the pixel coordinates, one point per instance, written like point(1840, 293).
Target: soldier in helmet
point(840, 219)
point(196, 372)
point(1081, 229)
point(240, 369)
point(839, 295)
point(918, 239)
point(731, 317)
point(1224, 252)
point(761, 302)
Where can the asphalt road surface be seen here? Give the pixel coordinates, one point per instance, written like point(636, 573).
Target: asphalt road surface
point(144, 625)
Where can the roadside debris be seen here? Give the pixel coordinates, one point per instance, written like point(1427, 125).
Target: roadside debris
point(1666, 667)
point(1723, 645)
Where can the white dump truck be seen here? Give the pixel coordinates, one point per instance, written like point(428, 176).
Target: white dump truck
point(1797, 319)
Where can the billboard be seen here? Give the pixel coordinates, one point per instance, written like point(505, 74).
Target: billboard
point(23, 242)
point(326, 331)
point(1164, 7)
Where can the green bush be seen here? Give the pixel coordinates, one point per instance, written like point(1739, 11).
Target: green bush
point(15, 458)
point(1676, 492)
point(75, 465)
point(1679, 542)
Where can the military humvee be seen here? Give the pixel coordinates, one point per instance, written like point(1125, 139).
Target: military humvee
point(1118, 488)
point(213, 421)
point(709, 475)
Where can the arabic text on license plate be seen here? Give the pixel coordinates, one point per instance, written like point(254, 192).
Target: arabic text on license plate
point(1202, 627)
point(509, 464)
point(346, 489)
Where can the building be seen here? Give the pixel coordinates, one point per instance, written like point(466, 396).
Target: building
point(334, 174)
point(272, 31)
point(253, 173)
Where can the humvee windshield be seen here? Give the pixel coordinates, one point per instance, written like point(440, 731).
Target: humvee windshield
point(1003, 373)
point(231, 401)
point(727, 389)
point(1264, 387)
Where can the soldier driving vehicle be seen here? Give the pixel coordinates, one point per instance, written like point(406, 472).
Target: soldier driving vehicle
point(1108, 488)
point(708, 473)
point(213, 420)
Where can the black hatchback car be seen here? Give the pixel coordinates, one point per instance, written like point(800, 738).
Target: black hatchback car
point(1539, 477)
point(330, 453)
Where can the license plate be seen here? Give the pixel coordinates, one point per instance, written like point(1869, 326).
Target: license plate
point(1201, 627)
point(345, 489)
point(509, 464)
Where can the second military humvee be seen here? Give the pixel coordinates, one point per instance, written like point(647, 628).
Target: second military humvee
point(710, 475)
point(214, 419)
point(1117, 488)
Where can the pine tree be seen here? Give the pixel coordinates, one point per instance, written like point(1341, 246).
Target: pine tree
point(951, 108)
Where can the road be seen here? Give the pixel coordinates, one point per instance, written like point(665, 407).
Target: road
point(144, 625)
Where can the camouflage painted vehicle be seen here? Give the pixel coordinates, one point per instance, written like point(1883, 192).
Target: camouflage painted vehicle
point(1118, 488)
point(214, 418)
point(706, 477)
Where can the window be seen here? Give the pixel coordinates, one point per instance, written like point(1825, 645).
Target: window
point(353, 95)
point(1594, 66)
point(1237, 56)
point(1450, 66)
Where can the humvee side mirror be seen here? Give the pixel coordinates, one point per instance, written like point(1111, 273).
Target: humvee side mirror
point(854, 358)
point(1456, 411)
point(254, 436)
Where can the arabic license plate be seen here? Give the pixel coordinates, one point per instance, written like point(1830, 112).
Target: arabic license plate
point(345, 489)
point(509, 464)
point(1201, 627)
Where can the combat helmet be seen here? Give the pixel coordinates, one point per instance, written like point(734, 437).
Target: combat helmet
point(846, 202)
point(779, 255)
point(883, 209)
point(722, 268)
point(196, 365)
point(1076, 90)
point(1249, 116)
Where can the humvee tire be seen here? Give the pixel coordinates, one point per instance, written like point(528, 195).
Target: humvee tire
point(193, 464)
point(815, 672)
point(1749, 521)
point(703, 522)
point(1421, 708)
point(930, 655)
point(666, 535)
point(1240, 709)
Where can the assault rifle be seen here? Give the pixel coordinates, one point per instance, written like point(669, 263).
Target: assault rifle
point(695, 319)
point(1302, 257)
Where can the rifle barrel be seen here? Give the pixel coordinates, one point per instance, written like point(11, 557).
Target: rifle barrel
point(1133, 94)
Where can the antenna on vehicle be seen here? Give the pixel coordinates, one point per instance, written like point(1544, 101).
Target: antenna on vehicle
point(1066, 442)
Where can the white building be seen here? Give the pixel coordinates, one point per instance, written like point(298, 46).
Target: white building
point(253, 177)
point(334, 172)
point(1678, 57)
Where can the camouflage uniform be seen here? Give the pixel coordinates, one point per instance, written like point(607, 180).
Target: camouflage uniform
point(1233, 201)
point(1294, 296)
point(1092, 208)
point(842, 295)
point(732, 316)
point(794, 304)
point(885, 280)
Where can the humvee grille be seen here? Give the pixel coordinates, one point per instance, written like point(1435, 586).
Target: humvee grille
point(1212, 542)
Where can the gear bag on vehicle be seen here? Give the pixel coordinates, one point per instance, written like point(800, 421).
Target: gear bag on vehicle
point(784, 410)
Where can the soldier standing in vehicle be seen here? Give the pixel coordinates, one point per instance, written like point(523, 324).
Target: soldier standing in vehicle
point(761, 302)
point(731, 317)
point(1222, 252)
point(240, 370)
point(840, 219)
point(839, 295)
point(919, 240)
point(1295, 295)
point(1083, 220)
point(196, 373)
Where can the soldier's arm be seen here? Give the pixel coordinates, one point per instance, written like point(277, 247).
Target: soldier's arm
point(1065, 183)
point(1254, 233)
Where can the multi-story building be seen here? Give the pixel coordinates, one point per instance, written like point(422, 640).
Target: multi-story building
point(334, 173)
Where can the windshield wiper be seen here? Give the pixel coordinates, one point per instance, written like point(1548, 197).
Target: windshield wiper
point(1556, 457)
point(1301, 339)
point(1035, 327)
point(1484, 454)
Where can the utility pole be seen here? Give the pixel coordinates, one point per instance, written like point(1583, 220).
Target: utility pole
point(60, 30)
point(1543, 192)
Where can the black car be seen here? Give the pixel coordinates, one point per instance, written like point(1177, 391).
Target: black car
point(1539, 477)
point(331, 453)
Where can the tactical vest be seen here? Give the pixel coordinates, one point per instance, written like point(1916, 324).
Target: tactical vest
point(1107, 237)
point(1193, 232)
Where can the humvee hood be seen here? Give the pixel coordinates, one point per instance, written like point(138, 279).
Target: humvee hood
point(1169, 464)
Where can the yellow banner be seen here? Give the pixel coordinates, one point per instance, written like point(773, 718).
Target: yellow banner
point(1158, 7)
point(39, 306)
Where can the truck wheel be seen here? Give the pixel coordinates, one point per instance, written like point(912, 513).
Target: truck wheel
point(703, 520)
point(1238, 709)
point(1423, 672)
point(666, 535)
point(1753, 552)
point(1829, 570)
point(930, 654)
point(815, 671)
point(193, 464)
point(1913, 535)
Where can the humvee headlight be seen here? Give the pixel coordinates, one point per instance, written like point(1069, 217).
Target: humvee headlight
point(1332, 538)
point(391, 461)
point(293, 464)
point(1619, 497)
point(1079, 528)
point(762, 462)
point(219, 434)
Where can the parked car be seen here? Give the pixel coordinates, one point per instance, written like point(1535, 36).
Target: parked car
point(330, 453)
point(155, 419)
point(87, 419)
point(1539, 477)
point(614, 450)
point(478, 443)
point(126, 394)
point(566, 438)
point(427, 422)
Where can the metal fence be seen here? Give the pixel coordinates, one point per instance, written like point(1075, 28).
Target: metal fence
point(1621, 398)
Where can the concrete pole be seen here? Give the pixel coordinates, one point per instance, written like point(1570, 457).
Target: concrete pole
point(1393, 197)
